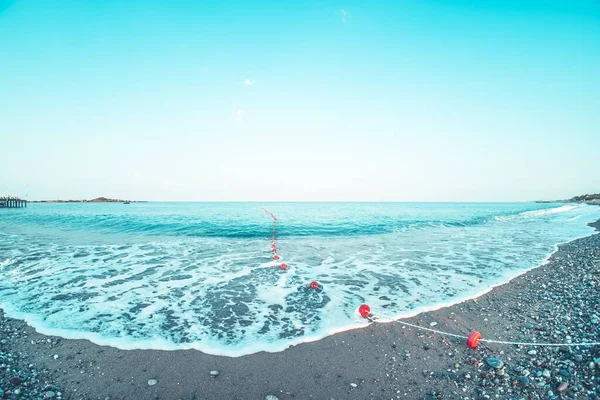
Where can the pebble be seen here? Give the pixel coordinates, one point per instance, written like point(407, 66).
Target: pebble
point(49, 394)
point(562, 387)
point(523, 380)
point(152, 382)
point(565, 373)
point(546, 374)
point(15, 380)
point(353, 385)
point(532, 352)
point(433, 323)
point(271, 397)
point(214, 373)
point(495, 362)
point(56, 356)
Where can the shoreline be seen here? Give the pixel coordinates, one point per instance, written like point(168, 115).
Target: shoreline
point(383, 360)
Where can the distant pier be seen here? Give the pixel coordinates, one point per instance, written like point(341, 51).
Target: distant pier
point(12, 202)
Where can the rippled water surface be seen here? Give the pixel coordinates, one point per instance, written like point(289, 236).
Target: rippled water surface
point(201, 275)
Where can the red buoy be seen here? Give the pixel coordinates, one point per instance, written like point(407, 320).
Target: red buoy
point(314, 285)
point(283, 266)
point(275, 257)
point(274, 250)
point(364, 310)
point(473, 339)
point(273, 245)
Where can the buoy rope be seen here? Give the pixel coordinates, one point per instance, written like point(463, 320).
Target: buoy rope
point(431, 330)
point(276, 257)
point(379, 318)
point(541, 344)
point(375, 318)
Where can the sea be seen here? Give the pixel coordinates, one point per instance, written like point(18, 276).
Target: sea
point(203, 275)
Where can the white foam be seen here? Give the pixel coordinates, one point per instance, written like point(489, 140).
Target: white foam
point(5, 263)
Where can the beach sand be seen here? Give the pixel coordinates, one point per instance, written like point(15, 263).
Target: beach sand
point(557, 302)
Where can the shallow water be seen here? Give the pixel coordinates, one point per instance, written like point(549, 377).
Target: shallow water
point(201, 275)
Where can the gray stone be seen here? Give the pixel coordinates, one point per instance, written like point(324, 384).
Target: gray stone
point(495, 362)
point(49, 394)
point(271, 397)
point(353, 385)
point(152, 382)
point(532, 352)
point(214, 373)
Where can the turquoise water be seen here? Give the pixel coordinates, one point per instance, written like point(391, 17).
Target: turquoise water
point(201, 275)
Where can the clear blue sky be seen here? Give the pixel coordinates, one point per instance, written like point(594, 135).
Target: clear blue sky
point(310, 100)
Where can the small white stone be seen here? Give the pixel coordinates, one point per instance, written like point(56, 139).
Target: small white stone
point(353, 385)
point(271, 397)
point(546, 374)
point(152, 382)
point(532, 352)
point(433, 323)
point(214, 373)
point(55, 356)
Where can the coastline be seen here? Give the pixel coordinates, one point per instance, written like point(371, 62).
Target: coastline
point(548, 303)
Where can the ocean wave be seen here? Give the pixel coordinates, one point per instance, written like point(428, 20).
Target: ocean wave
point(537, 213)
point(253, 227)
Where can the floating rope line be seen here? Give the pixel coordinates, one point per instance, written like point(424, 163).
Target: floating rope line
point(364, 310)
point(276, 256)
point(508, 342)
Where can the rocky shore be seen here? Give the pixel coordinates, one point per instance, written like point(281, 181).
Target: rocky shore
point(558, 302)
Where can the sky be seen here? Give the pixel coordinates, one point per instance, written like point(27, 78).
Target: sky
point(423, 100)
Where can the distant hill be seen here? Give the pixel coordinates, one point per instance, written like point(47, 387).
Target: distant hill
point(96, 200)
point(584, 198)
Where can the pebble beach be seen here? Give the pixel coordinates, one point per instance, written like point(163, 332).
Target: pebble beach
point(556, 303)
